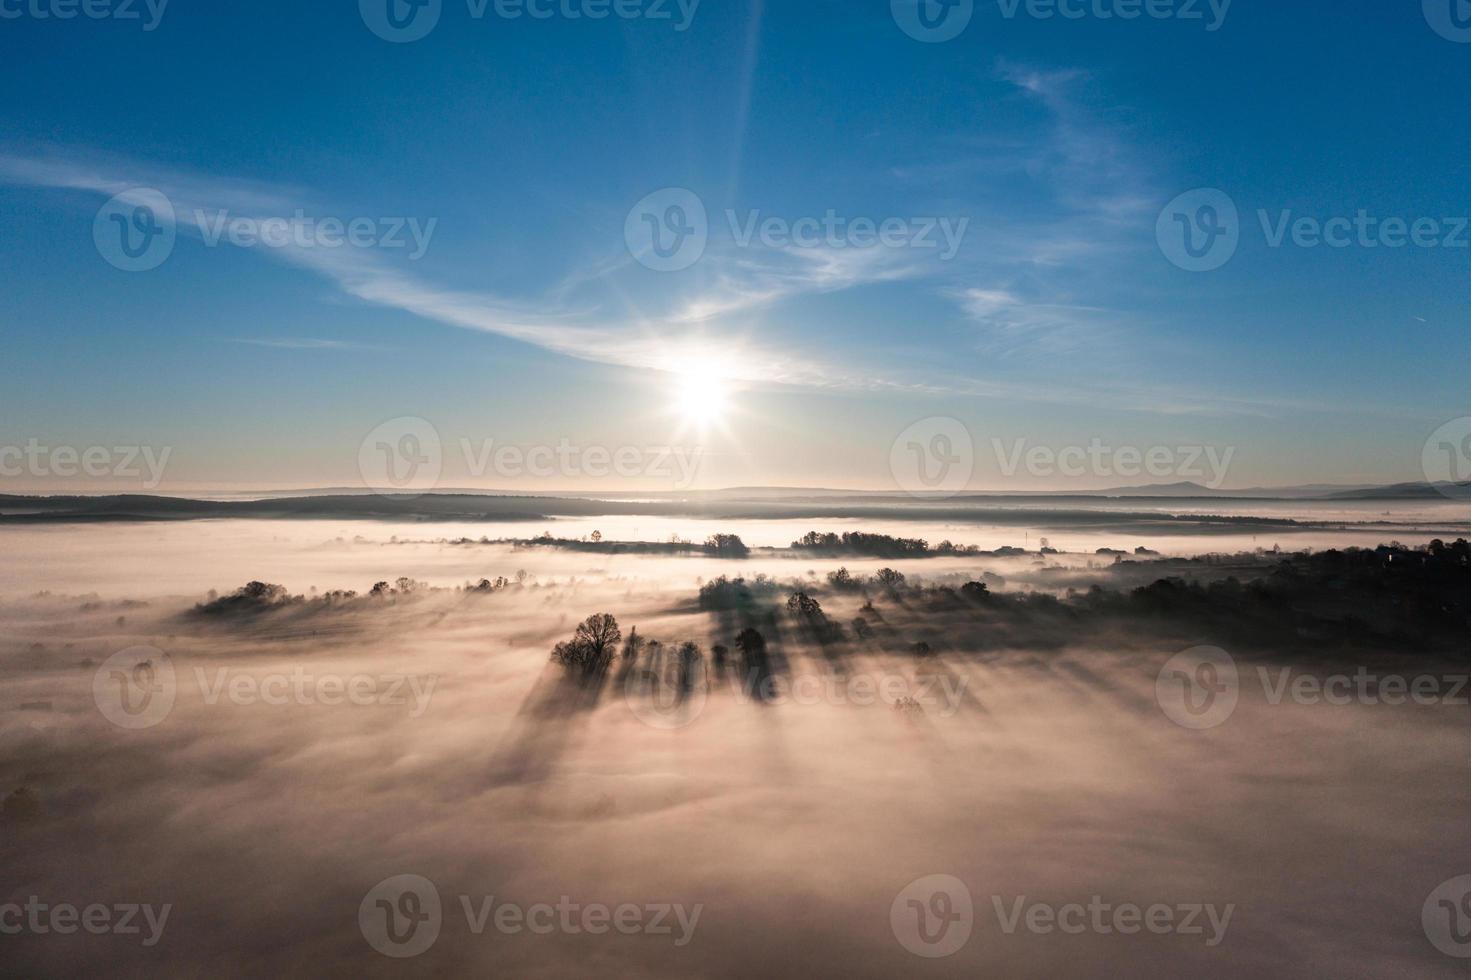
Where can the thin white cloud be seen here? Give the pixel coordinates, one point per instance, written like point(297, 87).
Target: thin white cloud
point(1015, 325)
point(671, 342)
point(764, 277)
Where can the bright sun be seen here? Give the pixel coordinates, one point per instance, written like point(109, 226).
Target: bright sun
point(700, 398)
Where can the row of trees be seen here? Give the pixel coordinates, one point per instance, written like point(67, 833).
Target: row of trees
point(726, 546)
point(736, 593)
point(878, 545)
point(844, 580)
point(594, 642)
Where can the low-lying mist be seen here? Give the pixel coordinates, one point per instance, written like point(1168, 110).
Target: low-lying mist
point(260, 730)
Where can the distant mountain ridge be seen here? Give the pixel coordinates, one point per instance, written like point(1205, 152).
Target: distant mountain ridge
point(1123, 512)
point(475, 501)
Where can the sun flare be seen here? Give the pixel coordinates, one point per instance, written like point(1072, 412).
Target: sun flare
point(700, 398)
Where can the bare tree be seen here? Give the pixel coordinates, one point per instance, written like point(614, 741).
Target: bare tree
point(889, 578)
point(591, 646)
point(600, 632)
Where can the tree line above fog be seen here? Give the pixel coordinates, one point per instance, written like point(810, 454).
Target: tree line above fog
point(1411, 601)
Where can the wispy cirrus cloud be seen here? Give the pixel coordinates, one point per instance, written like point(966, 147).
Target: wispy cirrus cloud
point(694, 329)
point(659, 340)
point(653, 341)
point(760, 278)
point(1016, 324)
point(1060, 204)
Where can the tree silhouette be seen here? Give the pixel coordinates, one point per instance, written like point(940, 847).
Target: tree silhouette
point(889, 578)
point(726, 546)
point(804, 605)
point(751, 644)
point(591, 645)
point(691, 657)
point(600, 632)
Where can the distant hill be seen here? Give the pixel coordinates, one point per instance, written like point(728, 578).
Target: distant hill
point(735, 502)
point(1408, 491)
point(1187, 490)
point(1184, 490)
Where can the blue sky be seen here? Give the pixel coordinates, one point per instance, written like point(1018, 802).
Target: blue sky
point(528, 320)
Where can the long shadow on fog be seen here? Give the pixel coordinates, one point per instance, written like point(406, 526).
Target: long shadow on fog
point(547, 723)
